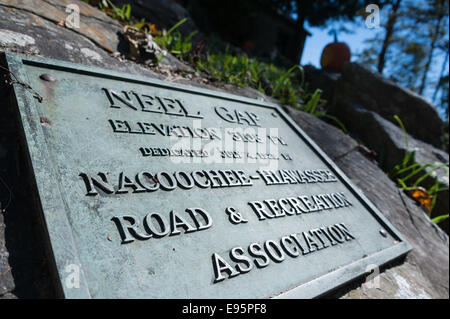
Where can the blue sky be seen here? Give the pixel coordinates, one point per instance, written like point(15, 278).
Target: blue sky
point(320, 38)
point(359, 32)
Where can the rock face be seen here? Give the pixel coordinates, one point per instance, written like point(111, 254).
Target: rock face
point(24, 268)
point(389, 142)
point(38, 27)
point(366, 103)
point(428, 262)
point(6, 279)
point(323, 80)
point(361, 85)
point(32, 27)
point(102, 32)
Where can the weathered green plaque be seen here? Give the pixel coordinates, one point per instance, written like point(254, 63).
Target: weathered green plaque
point(151, 189)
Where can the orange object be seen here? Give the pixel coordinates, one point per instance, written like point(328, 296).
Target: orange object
point(421, 196)
point(154, 32)
point(334, 56)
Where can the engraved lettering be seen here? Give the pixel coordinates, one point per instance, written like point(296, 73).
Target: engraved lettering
point(237, 254)
point(220, 265)
point(92, 183)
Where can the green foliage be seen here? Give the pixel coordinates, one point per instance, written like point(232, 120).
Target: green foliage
point(240, 70)
point(244, 71)
point(174, 41)
point(289, 85)
point(123, 14)
point(440, 218)
point(410, 175)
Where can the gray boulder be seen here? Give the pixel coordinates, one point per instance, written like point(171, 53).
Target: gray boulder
point(323, 80)
point(425, 272)
point(388, 141)
point(361, 85)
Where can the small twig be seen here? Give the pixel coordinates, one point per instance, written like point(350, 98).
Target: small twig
point(25, 85)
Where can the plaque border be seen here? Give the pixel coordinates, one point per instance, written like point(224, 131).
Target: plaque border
point(53, 208)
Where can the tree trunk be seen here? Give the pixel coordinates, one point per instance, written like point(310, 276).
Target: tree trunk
point(434, 38)
point(438, 85)
point(387, 39)
point(299, 31)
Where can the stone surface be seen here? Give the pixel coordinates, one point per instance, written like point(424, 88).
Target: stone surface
point(6, 279)
point(25, 28)
point(402, 282)
point(323, 80)
point(24, 267)
point(94, 25)
point(430, 243)
point(31, 27)
point(29, 32)
point(390, 145)
point(361, 85)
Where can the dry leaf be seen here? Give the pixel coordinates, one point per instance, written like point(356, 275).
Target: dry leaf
point(421, 196)
point(153, 29)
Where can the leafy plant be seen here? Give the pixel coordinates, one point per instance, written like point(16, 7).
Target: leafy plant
point(240, 70)
point(123, 14)
point(284, 85)
point(411, 175)
point(439, 219)
point(173, 40)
